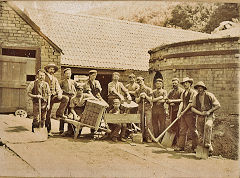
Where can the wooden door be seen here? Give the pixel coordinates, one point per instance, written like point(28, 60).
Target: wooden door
point(12, 83)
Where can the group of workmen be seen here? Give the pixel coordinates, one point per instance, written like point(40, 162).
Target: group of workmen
point(194, 109)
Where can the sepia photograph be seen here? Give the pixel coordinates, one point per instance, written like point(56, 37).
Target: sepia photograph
point(119, 88)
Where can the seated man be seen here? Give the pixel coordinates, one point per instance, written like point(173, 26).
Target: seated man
point(77, 104)
point(115, 128)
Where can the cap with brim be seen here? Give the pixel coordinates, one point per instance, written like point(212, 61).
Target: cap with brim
point(200, 84)
point(159, 80)
point(116, 73)
point(187, 79)
point(51, 65)
point(175, 79)
point(66, 70)
point(116, 101)
point(132, 76)
point(140, 78)
point(92, 72)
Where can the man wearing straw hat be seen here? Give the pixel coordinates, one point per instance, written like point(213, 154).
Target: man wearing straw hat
point(204, 105)
point(56, 95)
point(188, 119)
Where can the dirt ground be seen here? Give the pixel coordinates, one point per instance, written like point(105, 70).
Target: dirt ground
point(66, 157)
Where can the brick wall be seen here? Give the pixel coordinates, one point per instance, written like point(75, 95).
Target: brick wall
point(213, 61)
point(15, 32)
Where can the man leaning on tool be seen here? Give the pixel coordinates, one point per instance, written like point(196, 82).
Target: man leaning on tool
point(174, 99)
point(204, 105)
point(144, 100)
point(39, 89)
point(188, 118)
point(56, 95)
point(158, 109)
point(68, 86)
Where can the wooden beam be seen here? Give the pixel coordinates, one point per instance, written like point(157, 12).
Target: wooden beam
point(122, 118)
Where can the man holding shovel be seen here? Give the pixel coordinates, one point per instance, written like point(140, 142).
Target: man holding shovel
point(39, 91)
point(144, 100)
point(174, 99)
point(187, 117)
point(204, 105)
point(158, 109)
point(56, 95)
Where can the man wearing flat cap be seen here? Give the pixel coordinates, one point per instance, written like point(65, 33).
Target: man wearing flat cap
point(94, 88)
point(56, 95)
point(187, 117)
point(204, 105)
point(69, 89)
point(158, 109)
point(116, 90)
point(144, 100)
point(174, 99)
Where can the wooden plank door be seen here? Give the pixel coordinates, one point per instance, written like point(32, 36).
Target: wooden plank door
point(12, 83)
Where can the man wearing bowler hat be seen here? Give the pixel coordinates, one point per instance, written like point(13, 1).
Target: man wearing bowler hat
point(187, 117)
point(56, 95)
point(204, 105)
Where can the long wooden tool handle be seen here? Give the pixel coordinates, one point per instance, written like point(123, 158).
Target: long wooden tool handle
point(40, 114)
point(161, 135)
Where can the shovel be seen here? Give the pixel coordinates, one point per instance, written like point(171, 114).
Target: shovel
point(169, 136)
point(41, 132)
point(202, 152)
point(162, 134)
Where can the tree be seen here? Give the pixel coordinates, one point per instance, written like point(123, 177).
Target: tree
point(225, 12)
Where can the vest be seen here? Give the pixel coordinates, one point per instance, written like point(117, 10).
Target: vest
point(36, 91)
point(186, 99)
point(207, 102)
point(51, 84)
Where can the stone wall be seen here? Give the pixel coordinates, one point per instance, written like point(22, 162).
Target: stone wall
point(213, 61)
point(17, 33)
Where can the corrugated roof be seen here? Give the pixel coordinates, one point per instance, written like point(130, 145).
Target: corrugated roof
point(90, 41)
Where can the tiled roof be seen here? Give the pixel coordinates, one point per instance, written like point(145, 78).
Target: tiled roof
point(90, 41)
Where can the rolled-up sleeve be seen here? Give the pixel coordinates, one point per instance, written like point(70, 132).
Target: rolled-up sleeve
point(58, 88)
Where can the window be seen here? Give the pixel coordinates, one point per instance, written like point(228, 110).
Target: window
point(19, 52)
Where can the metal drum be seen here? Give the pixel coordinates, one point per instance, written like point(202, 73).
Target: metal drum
point(93, 113)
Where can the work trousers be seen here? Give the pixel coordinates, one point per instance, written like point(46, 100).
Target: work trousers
point(66, 112)
point(36, 119)
point(79, 111)
point(158, 120)
point(60, 111)
point(208, 128)
point(146, 120)
point(188, 122)
point(176, 126)
point(115, 128)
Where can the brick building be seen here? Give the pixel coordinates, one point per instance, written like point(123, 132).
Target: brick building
point(23, 50)
point(215, 61)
